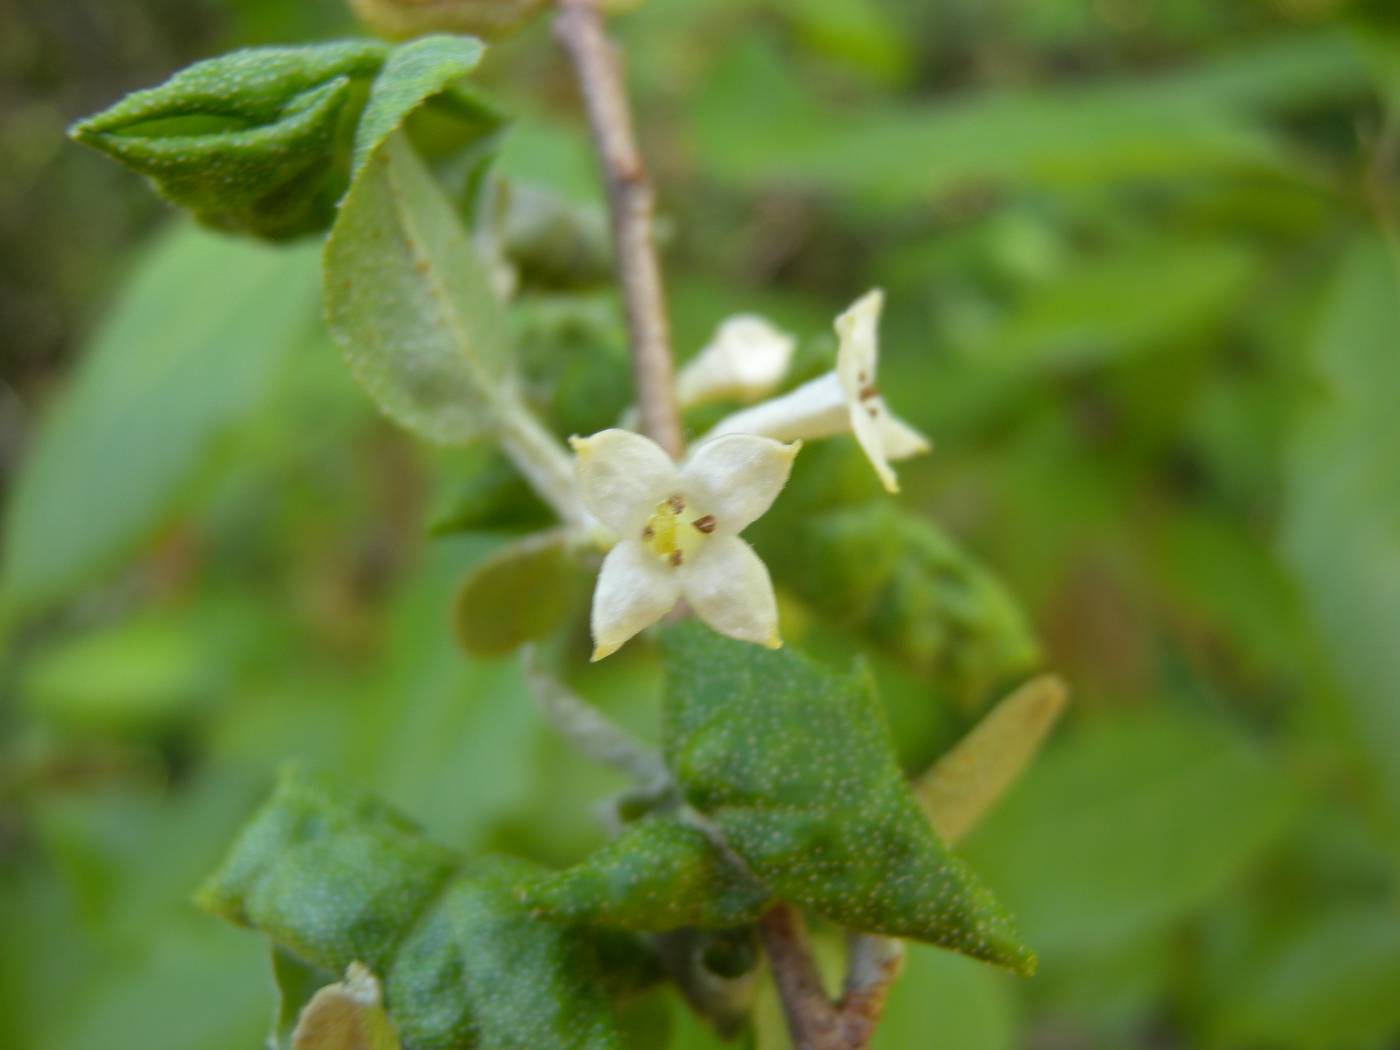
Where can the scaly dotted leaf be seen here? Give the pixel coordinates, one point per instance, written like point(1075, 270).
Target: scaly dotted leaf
point(658, 875)
point(794, 765)
point(336, 878)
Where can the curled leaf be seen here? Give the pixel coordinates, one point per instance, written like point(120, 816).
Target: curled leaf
point(253, 141)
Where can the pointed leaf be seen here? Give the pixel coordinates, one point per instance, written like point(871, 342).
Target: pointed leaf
point(794, 765)
point(337, 878)
point(410, 302)
point(658, 875)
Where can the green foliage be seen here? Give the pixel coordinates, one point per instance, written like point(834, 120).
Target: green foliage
point(1330, 983)
point(793, 764)
point(189, 351)
point(1138, 294)
point(337, 878)
point(659, 874)
point(1344, 510)
point(139, 677)
point(410, 301)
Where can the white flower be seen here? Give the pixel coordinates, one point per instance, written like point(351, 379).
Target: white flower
point(678, 532)
point(843, 401)
point(744, 361)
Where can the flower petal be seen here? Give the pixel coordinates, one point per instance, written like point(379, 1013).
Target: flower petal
point(634, 590)
point(866, 424)
point(900, 439)
point(729, 588)
point(816, 409)
point(858, 344)
point(746, 359)
point(737, 477)
point(622, 477)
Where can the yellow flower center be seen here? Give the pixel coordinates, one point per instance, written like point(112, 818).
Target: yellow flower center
point(675, 531)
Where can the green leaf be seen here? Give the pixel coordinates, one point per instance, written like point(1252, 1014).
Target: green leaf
point(414, 73)
point(189, 351)
point(336, 878)
point(522, 592)
point(658, 875)
point(411, 304)
point(1342, 524)
point(253, 141)
point(794, 766)
point(971, 778)
point(1128, 825)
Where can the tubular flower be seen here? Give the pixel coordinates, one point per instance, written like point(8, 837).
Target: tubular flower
point(678, 532)
point(745, 360)
point(842, 401)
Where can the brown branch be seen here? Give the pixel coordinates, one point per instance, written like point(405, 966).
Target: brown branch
point(872, 964)
point(814, 1021)
point(597, 67)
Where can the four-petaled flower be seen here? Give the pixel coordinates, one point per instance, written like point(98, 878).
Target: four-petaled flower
point(841, 401)
point(678, 531)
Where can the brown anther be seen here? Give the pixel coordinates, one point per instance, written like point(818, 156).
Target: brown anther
point(874, 412)
point(676, 503)
point(867, 392)
point(677, 557)
point(648, 532)
point(705, 524)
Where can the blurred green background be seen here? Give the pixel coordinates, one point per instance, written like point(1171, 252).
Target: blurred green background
point(1141, 268)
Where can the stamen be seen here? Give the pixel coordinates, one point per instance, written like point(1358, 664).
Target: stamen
point(705, 524)
point(867, 392)
point(677, 557)
point(676, 503)
point(648, 532)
